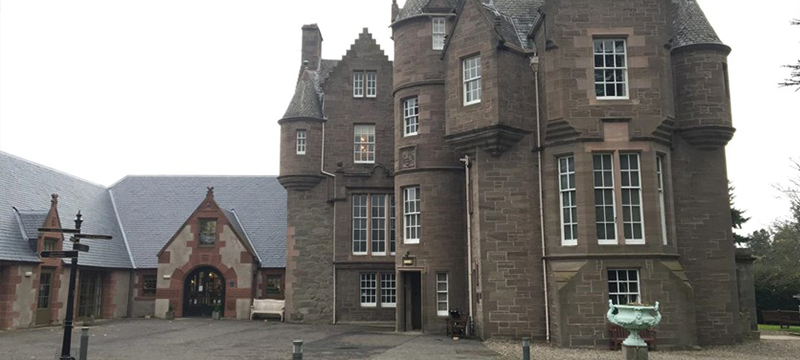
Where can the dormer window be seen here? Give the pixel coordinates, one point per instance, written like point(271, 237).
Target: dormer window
point(438, 29)
point(208, 231)
point(50, 244)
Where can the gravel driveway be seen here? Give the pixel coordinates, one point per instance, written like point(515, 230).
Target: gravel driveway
point(785, 349)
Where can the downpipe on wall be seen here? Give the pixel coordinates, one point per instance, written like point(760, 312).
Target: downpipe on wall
point(534, 63)
point(333, 234)
point(470, 323)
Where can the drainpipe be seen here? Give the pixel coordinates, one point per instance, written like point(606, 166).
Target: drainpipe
point(535, 67)
point(333, 235)
point(467, 165)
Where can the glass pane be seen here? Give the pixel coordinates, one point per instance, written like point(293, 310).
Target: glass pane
point(633, 274)
point(612, 275)
point(598, 62)
point(623, 275)
point(628, 231)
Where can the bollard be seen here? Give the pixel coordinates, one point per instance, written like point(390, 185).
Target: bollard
point(526, 348)
point(84, 343)
point(297, 352)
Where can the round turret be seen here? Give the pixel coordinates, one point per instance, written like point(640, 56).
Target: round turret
point(301, 134)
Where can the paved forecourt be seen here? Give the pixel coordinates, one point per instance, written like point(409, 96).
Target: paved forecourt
point(199, 339)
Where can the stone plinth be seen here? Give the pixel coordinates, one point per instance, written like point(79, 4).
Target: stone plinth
point(634, 352)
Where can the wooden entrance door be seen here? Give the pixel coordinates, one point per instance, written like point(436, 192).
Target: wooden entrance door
point(412, 301)
point(203, 292)
point(44, 297)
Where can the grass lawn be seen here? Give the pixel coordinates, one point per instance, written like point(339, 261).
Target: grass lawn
point(762, 327)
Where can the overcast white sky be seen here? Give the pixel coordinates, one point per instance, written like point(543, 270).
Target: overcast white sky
point(103, 89)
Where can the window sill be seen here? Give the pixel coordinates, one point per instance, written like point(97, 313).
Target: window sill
point(411, 241)
point(360, 254)
point(410, 134)
point(607, 242)
point(389, 305)
point(369, 305)
point(210, 246)
point(635, 242)
point(471, 103)
point(569, 243)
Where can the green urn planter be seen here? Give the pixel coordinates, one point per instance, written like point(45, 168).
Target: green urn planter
point(634, 318)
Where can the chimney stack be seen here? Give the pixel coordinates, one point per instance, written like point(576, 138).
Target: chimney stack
point(312, 46)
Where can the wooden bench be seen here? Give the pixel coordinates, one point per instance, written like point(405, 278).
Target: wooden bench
point(784, 318)
point(618, 334)
point(267, 306)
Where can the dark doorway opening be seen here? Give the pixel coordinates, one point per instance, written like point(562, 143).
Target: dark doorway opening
point(412, 301)
point(203, 292)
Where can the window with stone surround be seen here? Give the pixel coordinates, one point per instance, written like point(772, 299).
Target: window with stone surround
point(378, 224)
point(411, 215)
point(369, 288)
point(410, 116)
point(301, 142)
point(442, 301)
point(392, 223)
point(372, 84)
point(623, 286)
point(358, 84)
point(149, 285)
point(208, 229)
point(569, 207)
point(472, 80)
point(662, 208)
point(439, 30)
point(610, 69)
point(631, 186)
point(605, 211)
point(388, 290)
point(370, 231)
point(364, 144)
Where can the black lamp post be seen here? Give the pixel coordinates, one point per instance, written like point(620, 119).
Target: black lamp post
point(73, 272)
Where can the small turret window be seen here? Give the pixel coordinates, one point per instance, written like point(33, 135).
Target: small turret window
point(410, 116)
point(610, 69)
point(439, 30)
point(301, 142)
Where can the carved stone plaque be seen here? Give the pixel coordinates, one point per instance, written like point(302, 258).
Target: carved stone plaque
point(408, 157)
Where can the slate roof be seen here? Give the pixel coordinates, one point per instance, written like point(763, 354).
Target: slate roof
point(415, 7)
point(153, 208)
point(691, 25)
point(30, 221)
point(306, 101)
point(519, 16)
point(26, 185)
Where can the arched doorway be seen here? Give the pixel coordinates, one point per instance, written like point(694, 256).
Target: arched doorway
point(203, 292)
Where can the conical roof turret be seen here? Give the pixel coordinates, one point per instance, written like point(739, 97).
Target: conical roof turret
point(306, 100)
point(691, 25)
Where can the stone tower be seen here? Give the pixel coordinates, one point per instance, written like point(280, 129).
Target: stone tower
point(309, 216)
point(426, 169)
point(703, 126)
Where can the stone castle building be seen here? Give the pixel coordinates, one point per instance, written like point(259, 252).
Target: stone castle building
point(522, 161)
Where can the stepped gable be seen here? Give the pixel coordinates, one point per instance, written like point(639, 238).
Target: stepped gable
point(691, 26)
